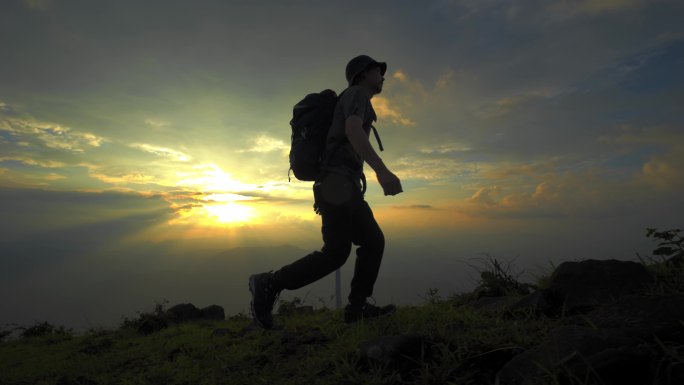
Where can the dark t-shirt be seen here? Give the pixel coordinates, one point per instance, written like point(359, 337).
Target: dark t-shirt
point(354, 101)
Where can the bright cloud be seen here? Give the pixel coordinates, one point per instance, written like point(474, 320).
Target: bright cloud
point(162, 152)
point(50, 135)
point(264, 143)
point(385, 110)
point(32, 162)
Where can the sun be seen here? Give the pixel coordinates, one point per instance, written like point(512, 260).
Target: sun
point(230, 213)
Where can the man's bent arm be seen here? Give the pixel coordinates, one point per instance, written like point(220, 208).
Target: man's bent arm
point(359, 140)
point(391, 185)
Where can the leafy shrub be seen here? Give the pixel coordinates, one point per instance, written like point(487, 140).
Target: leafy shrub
point(4, 334)
point(496, 280)
point(289, 307)
point(672, 243)
point(41, 329)
point(433, 297)
point(669, 271)
point(147, 322)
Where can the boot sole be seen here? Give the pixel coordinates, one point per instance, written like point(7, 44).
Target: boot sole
point(252, 290)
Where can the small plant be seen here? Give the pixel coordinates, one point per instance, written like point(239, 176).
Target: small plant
point(496, 280)
point(289, 307)
point(41, 329)
point(672, 243)
point(155, 320)
point(432, 297)
point(4, 333)
point(669, 271)
point(543, 279)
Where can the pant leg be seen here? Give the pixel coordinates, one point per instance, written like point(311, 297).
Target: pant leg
point(337, 229)
point(368, 235)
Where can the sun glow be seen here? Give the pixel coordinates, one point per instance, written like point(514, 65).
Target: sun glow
point(230, 213)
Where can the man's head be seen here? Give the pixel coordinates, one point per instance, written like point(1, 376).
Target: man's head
point(365, 71)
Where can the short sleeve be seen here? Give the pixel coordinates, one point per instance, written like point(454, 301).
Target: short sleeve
point(355, 101)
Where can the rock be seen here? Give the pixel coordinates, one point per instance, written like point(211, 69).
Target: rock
point(213, 312)
point(567, 345)
point(620, 343)
point(578, 287)
point(535, 302)
point(395, 351)
point(618, 365)
point(585, 284)
point(184, 312)
point(151, 324)
point(643, 316)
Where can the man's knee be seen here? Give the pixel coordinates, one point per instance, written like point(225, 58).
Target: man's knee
point(373, 243)
point(337, 255)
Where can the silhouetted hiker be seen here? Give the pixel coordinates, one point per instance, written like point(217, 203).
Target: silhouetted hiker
point(339, 198)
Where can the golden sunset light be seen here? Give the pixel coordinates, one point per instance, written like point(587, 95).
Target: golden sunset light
point(144, 145)
point(229, 213)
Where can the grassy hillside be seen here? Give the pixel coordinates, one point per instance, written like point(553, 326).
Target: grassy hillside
point(467, 346)
point(307, 348)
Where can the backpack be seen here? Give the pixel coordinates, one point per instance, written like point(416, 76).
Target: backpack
point(311, 120)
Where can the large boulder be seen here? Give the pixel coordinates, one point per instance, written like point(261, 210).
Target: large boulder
point(571, 348)
point(213, 312)
point(643, 317)
point(401, 352)
point(591, 282)
point(621, 327)
point(578, 287)
point(184, 312)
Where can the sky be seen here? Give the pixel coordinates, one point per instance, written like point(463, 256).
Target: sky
point(144, 144)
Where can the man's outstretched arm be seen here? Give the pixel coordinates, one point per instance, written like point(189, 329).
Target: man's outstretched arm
point(358, 138)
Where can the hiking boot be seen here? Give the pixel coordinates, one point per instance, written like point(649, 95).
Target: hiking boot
point(353, 313)
point(264, 296)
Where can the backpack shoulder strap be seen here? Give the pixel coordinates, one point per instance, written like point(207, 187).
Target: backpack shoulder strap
point(377, 137)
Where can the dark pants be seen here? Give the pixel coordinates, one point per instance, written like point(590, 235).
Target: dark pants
point(344, 223)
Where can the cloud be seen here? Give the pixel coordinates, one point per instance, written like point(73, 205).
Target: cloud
point(38, 5)
point(130, 178)
point(162, 152)
point(484, 196)
point(50, 135)
point(156, 123)
point(443, 149)
point(665, 171)
point(570, 8)
point(529, 191)
point(431, 169)
point(660, 149)
point(414, 207)
point(25, 159)
point(385, 110)
point(54, 176)
point(33, 213)
point(264, 143)
point(400, 82)
point(508, 104)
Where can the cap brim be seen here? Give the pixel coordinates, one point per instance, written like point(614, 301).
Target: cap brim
point(383, 67)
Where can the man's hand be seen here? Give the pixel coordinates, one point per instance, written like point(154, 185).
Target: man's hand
point(391, 185)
